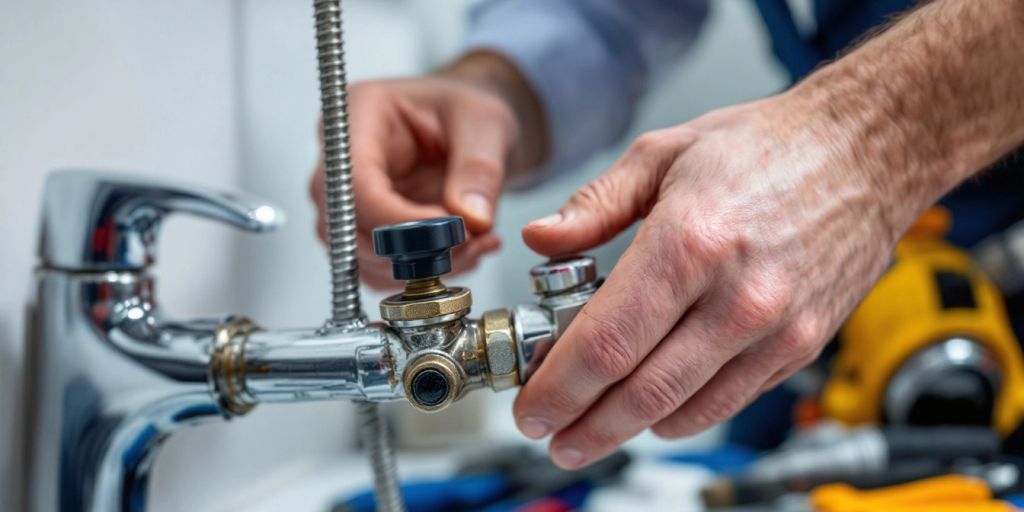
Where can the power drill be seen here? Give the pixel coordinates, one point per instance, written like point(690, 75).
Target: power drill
point(930, 344)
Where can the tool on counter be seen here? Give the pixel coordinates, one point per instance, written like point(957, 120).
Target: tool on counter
point(949, 493)
point(931, 344)
point(505, 479)
point(866, 457)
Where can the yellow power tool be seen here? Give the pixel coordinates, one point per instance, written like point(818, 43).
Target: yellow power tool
point(930, 344)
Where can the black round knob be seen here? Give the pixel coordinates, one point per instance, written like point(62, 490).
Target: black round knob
point(420, 249)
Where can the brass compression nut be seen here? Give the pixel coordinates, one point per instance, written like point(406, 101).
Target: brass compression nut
point(500, 347)
point(400, 308)
point(227, 364)
point(432, 382)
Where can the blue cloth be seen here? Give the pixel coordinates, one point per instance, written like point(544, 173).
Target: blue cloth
point(729, 458)
point(463, 492)
point(1017, 500)
point(590, 61)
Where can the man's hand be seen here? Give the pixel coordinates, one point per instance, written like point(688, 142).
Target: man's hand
point(434, 146)
point(764, 225)
point(754, 247)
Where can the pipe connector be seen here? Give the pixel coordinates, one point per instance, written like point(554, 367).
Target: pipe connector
point(500, 347)
point(428, 351)
point(227, 366)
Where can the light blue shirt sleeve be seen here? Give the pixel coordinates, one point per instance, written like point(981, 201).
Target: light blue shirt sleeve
point(589, 60)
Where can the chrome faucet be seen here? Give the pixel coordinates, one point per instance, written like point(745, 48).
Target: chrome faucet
point(110, 376)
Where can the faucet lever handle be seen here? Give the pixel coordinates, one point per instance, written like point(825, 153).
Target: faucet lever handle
point(111, 221)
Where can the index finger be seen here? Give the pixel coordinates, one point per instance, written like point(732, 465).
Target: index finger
point(640, 303)
point(377, 148)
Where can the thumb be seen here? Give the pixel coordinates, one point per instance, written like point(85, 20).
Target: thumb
point(606, 206)
point(477, 159)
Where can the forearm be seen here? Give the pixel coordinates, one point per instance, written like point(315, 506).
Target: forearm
point(928, 103)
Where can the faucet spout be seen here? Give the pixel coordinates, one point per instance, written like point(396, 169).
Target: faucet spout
point(109, 380)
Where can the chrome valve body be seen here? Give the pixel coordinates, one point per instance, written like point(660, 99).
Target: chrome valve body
point(111, 376)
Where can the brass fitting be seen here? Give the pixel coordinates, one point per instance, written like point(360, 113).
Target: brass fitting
point(500, 347)
point(421, 288)
point(227, 365)
point(405, 308)
point(448, 354)
point(432, 382)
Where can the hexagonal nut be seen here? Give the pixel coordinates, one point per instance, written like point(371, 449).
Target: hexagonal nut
point(500, 347)
point(456, 300)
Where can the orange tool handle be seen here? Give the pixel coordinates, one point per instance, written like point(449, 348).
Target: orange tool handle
point(938, 494)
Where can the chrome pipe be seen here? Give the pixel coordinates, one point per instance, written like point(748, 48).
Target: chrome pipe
point(299, 365)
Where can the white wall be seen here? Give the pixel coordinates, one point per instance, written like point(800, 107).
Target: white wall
point(105, 84)
point(148, 87)
point(224, 93)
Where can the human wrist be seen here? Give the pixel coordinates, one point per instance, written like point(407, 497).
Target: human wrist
point(927, 103)
point(867, 155)
point(494, 74)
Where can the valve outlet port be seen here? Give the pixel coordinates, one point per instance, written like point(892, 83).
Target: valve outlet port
point(432, 382)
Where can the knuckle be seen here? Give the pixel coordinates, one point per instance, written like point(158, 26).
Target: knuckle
point(609, 355)
point(558, 399)
point(655, 395)
point(597, 195)
point(801, 339)
point(482, 106)
point(597, 192)
point(676, 246)
point(760, 304)
point(712, 412)
point(652, 141)
point(704, 242)
point(485, 170)
point(494, 109)
point(595, 437)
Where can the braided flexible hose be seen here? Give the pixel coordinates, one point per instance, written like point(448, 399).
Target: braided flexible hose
point(346, 306)
point(373, 430)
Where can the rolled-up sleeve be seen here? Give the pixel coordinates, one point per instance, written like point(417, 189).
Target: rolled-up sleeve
point(589, 60)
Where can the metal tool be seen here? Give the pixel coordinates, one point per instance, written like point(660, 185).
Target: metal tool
point(111, 376)
point(867, 457)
